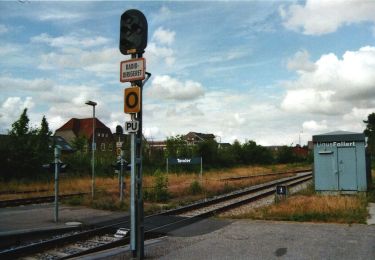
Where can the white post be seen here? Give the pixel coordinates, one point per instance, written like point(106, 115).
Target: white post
point(201, 173)
point(167, 166)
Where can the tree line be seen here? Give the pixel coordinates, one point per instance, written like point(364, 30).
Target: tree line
point(216, 155)
point(26, 148)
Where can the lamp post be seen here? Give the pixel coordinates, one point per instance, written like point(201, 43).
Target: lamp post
point(93, 147)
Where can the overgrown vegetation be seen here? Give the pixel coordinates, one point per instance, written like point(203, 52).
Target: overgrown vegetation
point(195, 188)
point(316, 208)
point(158, 193)
point(307, 205)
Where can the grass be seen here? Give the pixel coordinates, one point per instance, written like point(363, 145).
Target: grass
point(306, 205)
point(315, 208)
point(182, 187)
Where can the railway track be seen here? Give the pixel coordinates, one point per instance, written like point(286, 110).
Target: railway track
point(263, 175)
point(11, 192)
point(35, 200)
point(86, 242)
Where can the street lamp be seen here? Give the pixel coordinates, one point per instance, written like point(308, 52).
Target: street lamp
point(93, 147)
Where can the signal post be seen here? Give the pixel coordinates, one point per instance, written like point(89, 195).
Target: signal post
point(133, 41)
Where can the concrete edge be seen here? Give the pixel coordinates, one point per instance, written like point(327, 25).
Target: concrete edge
point(113, 252)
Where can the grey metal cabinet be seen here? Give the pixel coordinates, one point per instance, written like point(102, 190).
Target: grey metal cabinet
point(340, 162)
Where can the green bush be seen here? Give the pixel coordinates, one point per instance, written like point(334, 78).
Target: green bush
point(159, 192)
point(195, 188)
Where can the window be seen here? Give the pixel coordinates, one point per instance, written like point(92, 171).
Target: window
point(109, 147)
point(102, 146)
point(98, 134)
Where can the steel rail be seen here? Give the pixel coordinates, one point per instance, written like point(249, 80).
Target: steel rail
point(11, 192)
point(35, 200)
point(234, 194)
point(262, 175)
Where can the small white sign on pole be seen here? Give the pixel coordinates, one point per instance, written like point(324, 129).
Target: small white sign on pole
point(118, 144)
point(131, 126)
point(132, 70)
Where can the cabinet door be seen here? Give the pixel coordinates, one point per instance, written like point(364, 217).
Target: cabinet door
point(347, 166)
point(325, 166)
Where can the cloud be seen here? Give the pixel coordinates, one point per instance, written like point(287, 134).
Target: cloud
point(317, 17)
point(301, 62)
point(60, 16)
point(156, 54)
point(166, 87)
point(103, 62)
point(335, 86)
point(8, 48)
point(159, 51)
point(70, 41)
point(11, 109)
point(314, 126)
point(151, 133)
point(26, 85)
point(3, 29)
point(163, 36)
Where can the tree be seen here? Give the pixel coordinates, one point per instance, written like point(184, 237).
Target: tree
point(21, 126)
point(178, 147)
point(79, 143)
point(43, 139)
point(236, 150)
point(370, 132)
point(208, 150)
point(28, 149)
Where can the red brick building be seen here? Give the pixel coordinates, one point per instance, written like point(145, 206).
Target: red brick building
point(83, 128)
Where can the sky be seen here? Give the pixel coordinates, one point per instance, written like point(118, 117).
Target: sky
point(275, 72)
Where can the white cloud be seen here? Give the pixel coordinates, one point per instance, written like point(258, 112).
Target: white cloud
point(317, 17)
point(152, 133)
point(335, 86)
point(301, 62)
point(156, 54)
point(309, 100)
point(3, 29)
point(11, 109)
point(16, 103)
point(159, 50)
point(9, 49)
point(314, 126)
point(227, 113)
point(166, 87)
point(27, 85)
point(164, 36)
point(103, 62)
point(60, 16)
point(70, 41)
